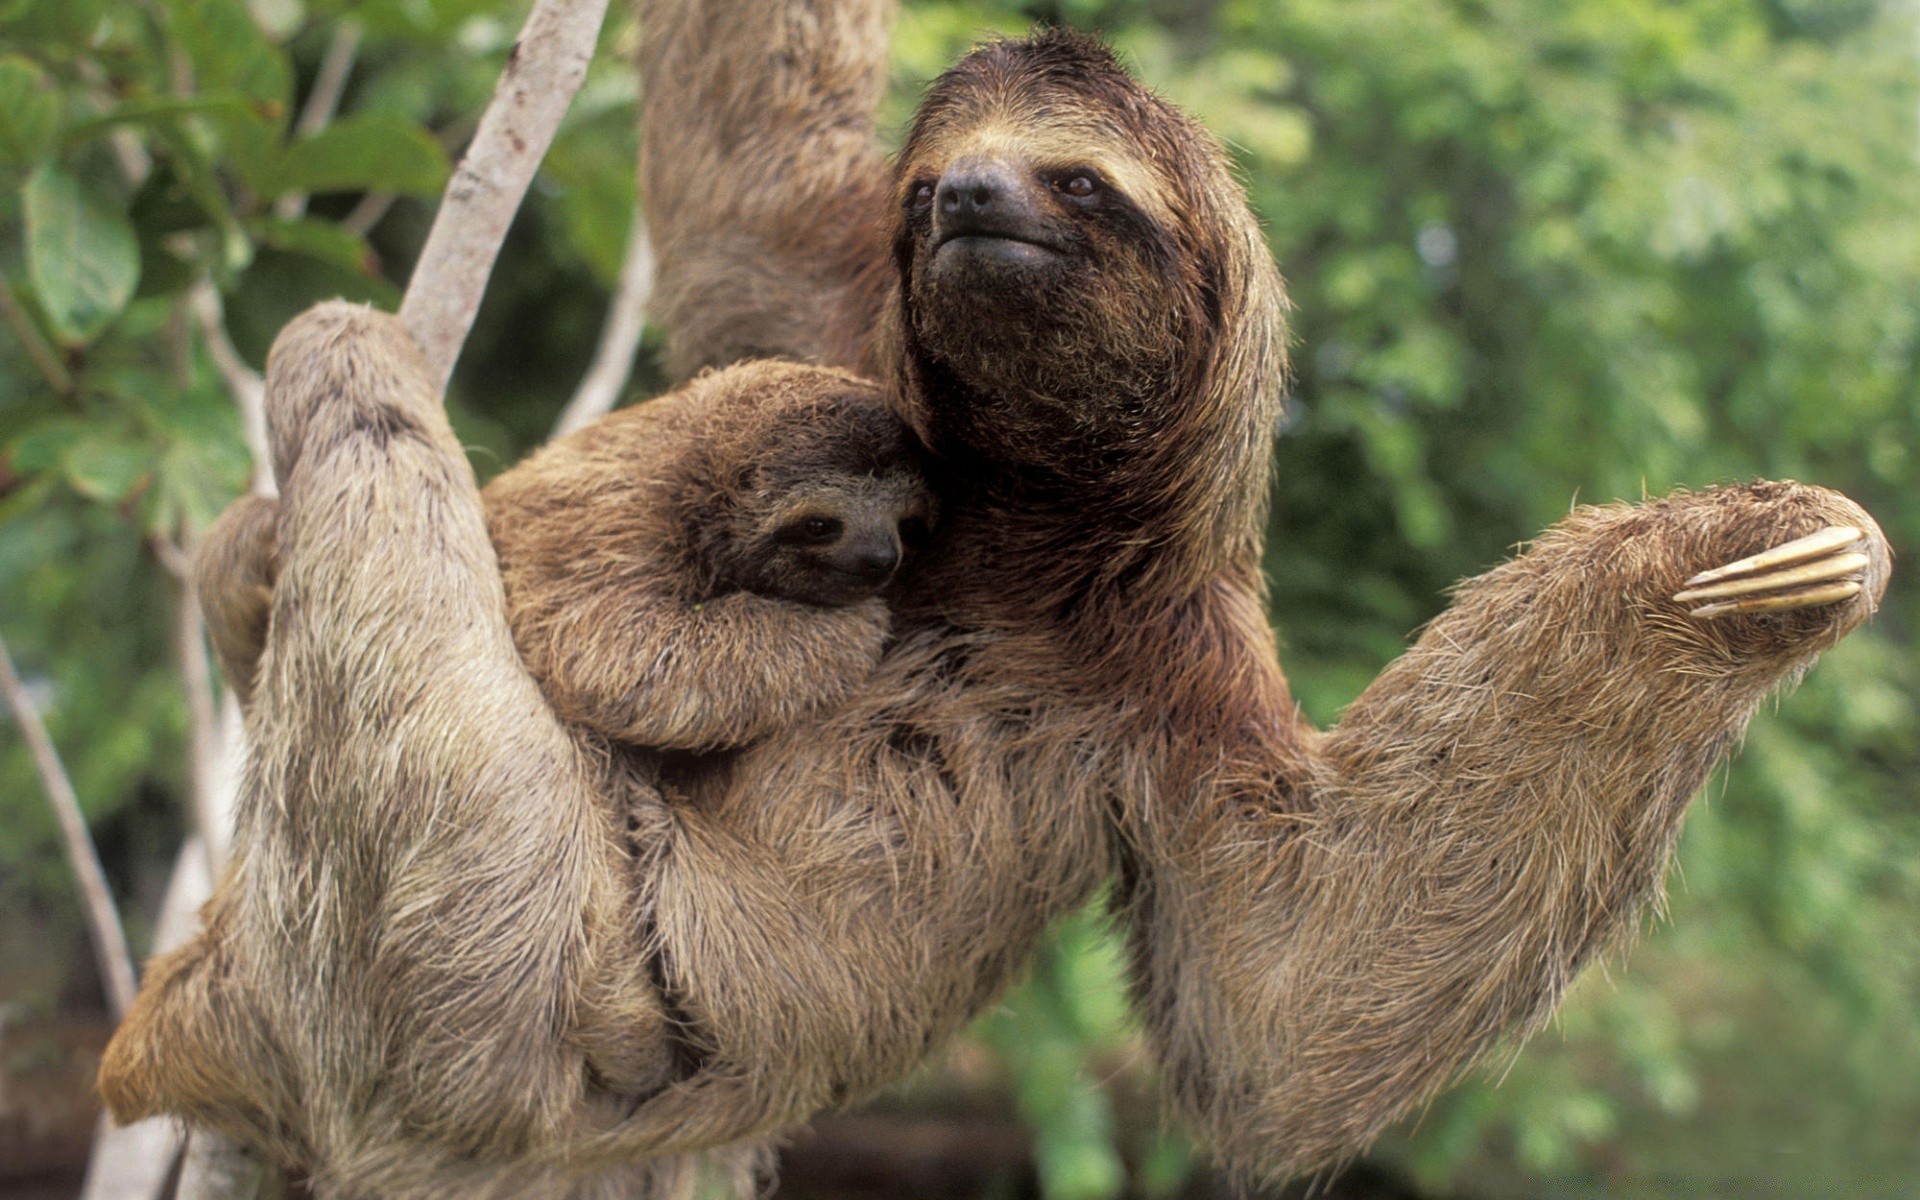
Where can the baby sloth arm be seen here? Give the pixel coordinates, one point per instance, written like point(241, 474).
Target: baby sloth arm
point(629, 654)
point(702, 570)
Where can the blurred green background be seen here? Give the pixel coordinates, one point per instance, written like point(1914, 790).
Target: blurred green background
point(1540, 252)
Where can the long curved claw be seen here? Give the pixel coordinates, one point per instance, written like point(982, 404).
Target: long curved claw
point(1821, 568)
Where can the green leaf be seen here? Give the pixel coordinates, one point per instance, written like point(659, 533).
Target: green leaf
point(43, 443)
point(374, 152)
point(68, 23)
point(230, 53)
point(154, 110)
point(32, 109)
point(318, 239)
point(106, 470)
point(82, 257)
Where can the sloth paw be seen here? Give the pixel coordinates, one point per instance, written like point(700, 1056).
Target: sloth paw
point(1821, 568)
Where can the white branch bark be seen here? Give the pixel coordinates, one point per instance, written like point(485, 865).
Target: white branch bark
point(367, 213)
point(103, 920)
point(612, 365)
point(131, 1162)
point(543, 72)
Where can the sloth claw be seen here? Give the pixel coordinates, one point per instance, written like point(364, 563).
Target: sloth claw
point(1821, 568)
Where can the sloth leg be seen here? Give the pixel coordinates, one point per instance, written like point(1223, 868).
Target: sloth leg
point(1494, 811)
point(436, 889)
point(764, 182)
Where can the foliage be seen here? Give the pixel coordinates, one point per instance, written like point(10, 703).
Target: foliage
point(1538, 252)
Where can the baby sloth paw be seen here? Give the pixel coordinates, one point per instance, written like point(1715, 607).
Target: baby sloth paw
point(1821, 568)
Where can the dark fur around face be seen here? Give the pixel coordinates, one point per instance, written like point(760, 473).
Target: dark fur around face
point(468, 981)
point(1085, 296)
point(824, 512)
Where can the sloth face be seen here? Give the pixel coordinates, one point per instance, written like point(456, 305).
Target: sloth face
point(834, 540)
point(1047, 244)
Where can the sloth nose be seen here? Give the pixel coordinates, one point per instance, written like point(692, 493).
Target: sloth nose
point(983, 196)
point(872, 560)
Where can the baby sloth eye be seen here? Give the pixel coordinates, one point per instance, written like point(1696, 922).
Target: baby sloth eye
point(923, 195)
point(1080, 185)
point(812, 531)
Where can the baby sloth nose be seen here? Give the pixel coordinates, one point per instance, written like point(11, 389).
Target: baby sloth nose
point(981, 196)
point(871, 559)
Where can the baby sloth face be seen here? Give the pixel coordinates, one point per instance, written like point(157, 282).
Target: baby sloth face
point(836, 539)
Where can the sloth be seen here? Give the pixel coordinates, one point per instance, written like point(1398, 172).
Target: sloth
point(474, 987)
point(687, 574)
point(700, 570)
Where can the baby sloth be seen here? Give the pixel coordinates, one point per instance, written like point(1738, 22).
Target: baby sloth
point(692, 573)
point(700, 570)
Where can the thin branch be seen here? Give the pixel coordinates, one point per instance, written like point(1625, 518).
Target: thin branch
point(219, 1168)
point(49, 364)
point(205, 745)
point(248, 389)
point(131, 1162)
point(103, 920)
point(619, 338)
point(323, 101)
point(176, 561)
point(366, 213)
point(543, 71)
point(330, 83)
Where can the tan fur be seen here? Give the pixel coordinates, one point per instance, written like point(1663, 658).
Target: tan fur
point(1080, 686)
point(615, 544)
point(233, 573)
point(618, 548)
point(743, 91)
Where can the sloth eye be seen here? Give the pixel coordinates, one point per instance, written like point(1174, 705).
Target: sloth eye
point(923, 195)
point(812, 531)
point(1080, 185)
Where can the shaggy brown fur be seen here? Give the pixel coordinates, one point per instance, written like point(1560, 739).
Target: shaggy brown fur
point(1080, 684)
point(687, 574)
point(700, 570)
point(233, 572)
point(738, 94)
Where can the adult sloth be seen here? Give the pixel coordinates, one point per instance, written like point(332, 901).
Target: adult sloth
point(1087, 334)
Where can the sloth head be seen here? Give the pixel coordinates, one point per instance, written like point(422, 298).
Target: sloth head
point(827, 509)
point(1082, 284)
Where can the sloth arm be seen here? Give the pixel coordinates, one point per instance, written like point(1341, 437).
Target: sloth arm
point(398, 747)
point(616, 642)
point(763, 180)
point(1347, 920)
point(635, 659)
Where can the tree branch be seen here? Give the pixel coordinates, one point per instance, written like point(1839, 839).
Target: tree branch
point(249, 391)
point(103, 920)
point(206, 744)
point(366, 213)
point(323, 101)
point(626, 320)
point(542, 75)
point(543, 72)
